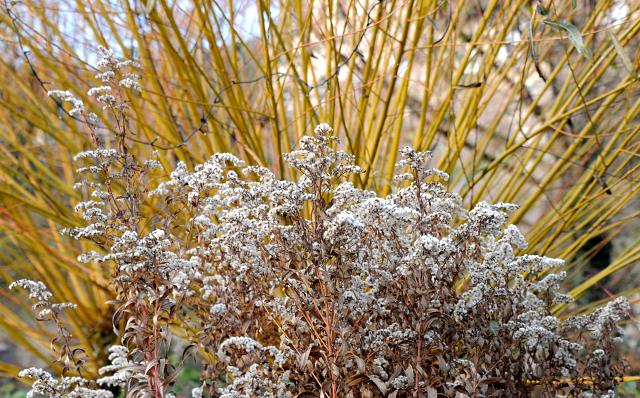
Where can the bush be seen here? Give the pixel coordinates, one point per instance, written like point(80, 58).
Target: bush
point(459, 78)
point(313, 287)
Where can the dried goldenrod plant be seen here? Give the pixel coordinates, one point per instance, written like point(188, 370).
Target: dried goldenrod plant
point(520, 102)
point(313, 288)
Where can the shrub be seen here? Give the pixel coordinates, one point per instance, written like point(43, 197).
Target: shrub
point(314, 288)
point(456, 77)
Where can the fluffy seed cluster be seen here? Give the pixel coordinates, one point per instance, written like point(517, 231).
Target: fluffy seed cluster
point(44, 383)
point(314, 287)
point(68, 387)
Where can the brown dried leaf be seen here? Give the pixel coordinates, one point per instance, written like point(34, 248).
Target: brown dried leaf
point(379, 383)
point(117, 317)
point(444, 366)
point(302, 361)
point(356, 380)
point(151, 365)
point(188, 350)
point(362, 367)
point(307, 394)
point(410, 375)
point(490, 380)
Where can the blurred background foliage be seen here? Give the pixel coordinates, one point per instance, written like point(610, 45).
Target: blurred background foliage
point(513, 108)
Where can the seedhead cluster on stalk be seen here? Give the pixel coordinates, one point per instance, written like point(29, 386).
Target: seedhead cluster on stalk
point(313, 288)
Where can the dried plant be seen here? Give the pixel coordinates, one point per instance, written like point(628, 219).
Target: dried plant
point(313, 288)
point(251, 77)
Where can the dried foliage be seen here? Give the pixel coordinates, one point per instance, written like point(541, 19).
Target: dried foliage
point(314, 288)
point(534, 104)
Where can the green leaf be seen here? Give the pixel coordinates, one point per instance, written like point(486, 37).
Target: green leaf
point(574, 4)
point(149, 6)
point(532, 47)
point(472, 85)
point(495, 327)
point(574, 35)
point(541, 9)
point(625, 59)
